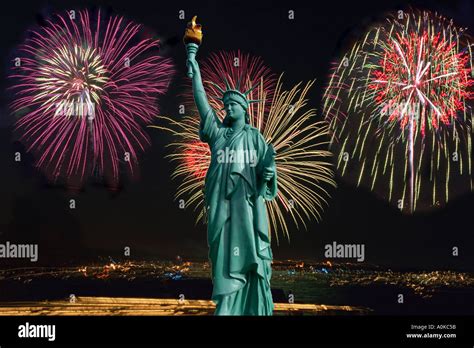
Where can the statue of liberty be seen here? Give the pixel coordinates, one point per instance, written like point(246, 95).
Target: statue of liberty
point(236, 188)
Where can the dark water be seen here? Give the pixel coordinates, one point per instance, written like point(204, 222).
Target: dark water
point(430, 293)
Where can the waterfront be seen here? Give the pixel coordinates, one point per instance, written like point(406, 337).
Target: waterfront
point(293, 282)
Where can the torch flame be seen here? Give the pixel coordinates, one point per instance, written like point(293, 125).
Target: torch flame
point(193, 32)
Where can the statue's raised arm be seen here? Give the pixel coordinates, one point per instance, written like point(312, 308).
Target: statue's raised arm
point(209, 121)
point(200, 97)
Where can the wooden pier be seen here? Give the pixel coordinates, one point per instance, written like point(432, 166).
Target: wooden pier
point(107, 306)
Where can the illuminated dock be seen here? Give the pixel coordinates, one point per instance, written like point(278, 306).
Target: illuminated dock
point(107, 306)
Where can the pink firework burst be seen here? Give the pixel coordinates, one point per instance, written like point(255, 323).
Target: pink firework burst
point(85, 89)
point(237, 68)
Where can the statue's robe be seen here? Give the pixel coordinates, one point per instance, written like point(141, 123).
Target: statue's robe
point(238, 234)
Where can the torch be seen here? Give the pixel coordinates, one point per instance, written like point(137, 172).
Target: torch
point(192, 39)
point(268, 160)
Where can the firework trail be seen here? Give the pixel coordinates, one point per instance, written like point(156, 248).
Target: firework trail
point(401, 95)
point(84, 89)
point(283, 119)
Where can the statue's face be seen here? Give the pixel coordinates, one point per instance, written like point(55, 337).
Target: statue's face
point(234, 111)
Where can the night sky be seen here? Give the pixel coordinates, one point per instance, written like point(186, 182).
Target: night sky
point(144, 215)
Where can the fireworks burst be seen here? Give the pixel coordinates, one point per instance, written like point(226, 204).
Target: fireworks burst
point(298, 139)
point(401, 96)
point(84, 89)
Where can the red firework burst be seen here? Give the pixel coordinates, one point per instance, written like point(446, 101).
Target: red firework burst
point(399, 103)
point(425, 71)
point(196, 157)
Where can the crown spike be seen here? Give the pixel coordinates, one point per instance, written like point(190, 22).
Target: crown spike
point(227, 83)
point(237, 87)
point(251, 89)
point(217, 86)
point(216, 98)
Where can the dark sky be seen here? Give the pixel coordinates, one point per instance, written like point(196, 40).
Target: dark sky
point(144, 215)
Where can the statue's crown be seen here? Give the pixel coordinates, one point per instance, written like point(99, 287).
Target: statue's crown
point(235, 93)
